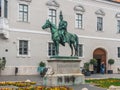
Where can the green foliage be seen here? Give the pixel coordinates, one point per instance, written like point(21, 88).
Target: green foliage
point(111, 61)
point(86, 66)
point(42, 64)
point(2, 63)
point(93, 61)
point(104, 83)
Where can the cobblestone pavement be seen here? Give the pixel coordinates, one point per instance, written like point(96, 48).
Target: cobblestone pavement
point(38, 79)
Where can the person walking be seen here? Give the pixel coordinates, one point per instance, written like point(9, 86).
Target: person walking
point(102, 67)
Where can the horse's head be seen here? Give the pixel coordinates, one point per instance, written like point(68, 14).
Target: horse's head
point(46, 25)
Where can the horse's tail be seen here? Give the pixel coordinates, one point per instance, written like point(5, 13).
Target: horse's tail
point(77, 40)
point(76, 44)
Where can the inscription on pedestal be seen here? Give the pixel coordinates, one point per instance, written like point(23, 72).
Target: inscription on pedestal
point(68, 68)
point(65, 66)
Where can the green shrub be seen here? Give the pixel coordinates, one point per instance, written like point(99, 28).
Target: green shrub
point(111, 61)
point(86, 66)
point(42, 64)
point(93, 61)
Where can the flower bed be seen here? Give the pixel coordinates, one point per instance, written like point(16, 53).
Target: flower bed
point(28, 86)
point(17, 84)
point(104, 83)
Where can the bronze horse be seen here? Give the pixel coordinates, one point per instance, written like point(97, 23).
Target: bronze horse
point(72, 39)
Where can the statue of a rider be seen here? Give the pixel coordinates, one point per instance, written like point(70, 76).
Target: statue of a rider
point(62, 29)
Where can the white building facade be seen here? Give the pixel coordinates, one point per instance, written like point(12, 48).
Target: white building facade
point(24, 43)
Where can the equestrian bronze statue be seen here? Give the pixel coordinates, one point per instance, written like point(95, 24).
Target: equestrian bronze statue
point(61, 36)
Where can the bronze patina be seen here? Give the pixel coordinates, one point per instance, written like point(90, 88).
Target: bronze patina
point(62, 28)
point(61, 36)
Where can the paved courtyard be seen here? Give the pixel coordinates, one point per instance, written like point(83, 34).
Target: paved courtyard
point(38, 79)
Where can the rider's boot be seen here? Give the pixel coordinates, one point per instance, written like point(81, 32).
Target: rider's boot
point(64, 39)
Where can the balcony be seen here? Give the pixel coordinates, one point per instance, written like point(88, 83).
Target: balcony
point(4, 33)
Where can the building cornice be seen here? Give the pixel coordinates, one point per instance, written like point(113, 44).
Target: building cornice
point(48, 33)
point(102, 4)
point(108, 2)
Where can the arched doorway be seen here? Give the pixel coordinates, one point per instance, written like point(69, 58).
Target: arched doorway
point(100, 55)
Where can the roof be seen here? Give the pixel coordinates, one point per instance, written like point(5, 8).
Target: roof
point(115, 1)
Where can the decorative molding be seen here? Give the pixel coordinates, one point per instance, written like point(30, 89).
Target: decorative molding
point(26, 0)
point(100, 12)
point(99, 38)
point(118, 15)
point(29, 31)
point(79, 8)
point(48, 33)
point(52, 3)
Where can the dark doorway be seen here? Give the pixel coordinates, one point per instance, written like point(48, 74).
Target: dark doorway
point(100, 55)
point(98, 65)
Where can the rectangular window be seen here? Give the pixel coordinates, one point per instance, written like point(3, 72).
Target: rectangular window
point(0, 8)
point(118, 26)
point(80, 50)
point(118, 52)
point(52, 16)
point(78, 21)
point(99, 23)
point(5, 8)
point(23, 12)
point(23, 47)
point(51, 49)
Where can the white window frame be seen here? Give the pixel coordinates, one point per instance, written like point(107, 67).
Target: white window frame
point(80, 55)
point(18, 55)
point(52, 16)
point(99, 23)
point(3, 9)
point(6, 9)
point(118, 26)
point(79, 21)
point(51, 49)
point(23, 12)
point(25, 3)
point(118, 52)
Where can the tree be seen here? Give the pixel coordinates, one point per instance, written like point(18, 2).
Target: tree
point(86, 66)
point(86, 71)
point(2, 64)
point(93, 61)
point(110, 62)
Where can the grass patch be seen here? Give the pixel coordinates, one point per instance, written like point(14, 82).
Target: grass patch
point(104, 83)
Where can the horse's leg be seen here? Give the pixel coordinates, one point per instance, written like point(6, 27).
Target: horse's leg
point(71, 49)
point(57, 48)
point(76, 49)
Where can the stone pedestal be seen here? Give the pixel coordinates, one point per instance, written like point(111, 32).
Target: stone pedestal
point(66, 71)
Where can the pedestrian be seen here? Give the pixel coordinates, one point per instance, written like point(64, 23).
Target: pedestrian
point(102, 68)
